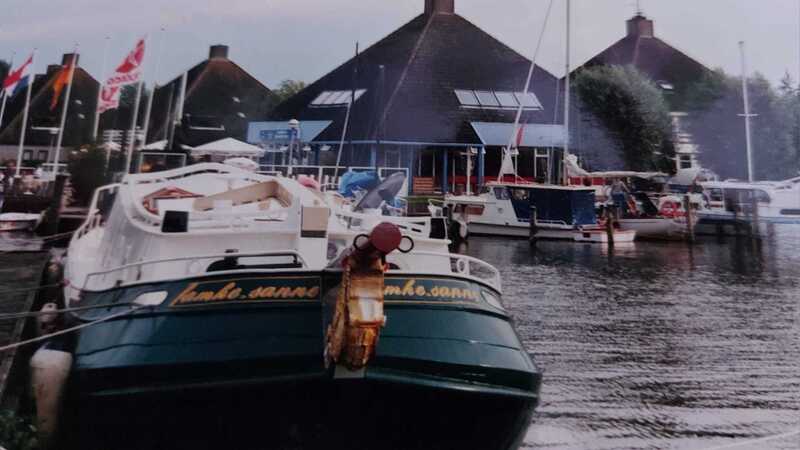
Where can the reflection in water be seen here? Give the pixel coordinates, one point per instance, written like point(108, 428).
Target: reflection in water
point(658, 345)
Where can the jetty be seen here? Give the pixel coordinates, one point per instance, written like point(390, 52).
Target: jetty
point(20, 279)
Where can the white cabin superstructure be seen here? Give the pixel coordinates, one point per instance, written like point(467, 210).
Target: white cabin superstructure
point(176, 224)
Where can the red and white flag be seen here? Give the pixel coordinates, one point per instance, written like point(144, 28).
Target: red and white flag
point(129, 72)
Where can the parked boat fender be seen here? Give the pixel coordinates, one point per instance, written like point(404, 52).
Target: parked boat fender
point(358, 317)
point(49, 373)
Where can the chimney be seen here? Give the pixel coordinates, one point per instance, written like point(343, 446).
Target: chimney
point(440, 7)
point(640, 26)
point(53, 68)
point(218, 52)
point(68, 57)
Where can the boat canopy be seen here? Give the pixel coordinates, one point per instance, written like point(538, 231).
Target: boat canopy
point(228, 147)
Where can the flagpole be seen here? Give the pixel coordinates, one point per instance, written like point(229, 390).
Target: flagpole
point(5, 94)
point(65, 108)
point(25, 115)
point(149, 108)
point(103, 76)
point(134, 119)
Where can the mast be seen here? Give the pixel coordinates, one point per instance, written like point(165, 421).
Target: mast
point(746, 114)
point(72, 66)
point(347, 116)
point(32, 76)
point(149, 108)
point(566, 95)
point(3, 92)
point(96, 124)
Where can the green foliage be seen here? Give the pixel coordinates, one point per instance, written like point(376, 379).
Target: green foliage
point(17, 433)
point(288, 88)
point(717, 126)
point(633, 111)
point(87, 172)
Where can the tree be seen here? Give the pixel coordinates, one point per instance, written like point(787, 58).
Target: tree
point(633, 112)
point(287, 89)
point(87, 170)
point(717, 126)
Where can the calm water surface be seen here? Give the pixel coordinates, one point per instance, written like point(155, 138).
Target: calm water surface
point(659, 346)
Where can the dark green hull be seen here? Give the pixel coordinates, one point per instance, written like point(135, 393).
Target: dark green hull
point(445, 367)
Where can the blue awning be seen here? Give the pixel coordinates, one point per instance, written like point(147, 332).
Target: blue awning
point(494, 134)
point(280, 133)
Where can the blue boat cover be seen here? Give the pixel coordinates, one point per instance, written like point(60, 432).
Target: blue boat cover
point(352, 181)
point(572, 207)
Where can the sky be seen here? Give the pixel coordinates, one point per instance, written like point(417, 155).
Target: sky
point(304, 39)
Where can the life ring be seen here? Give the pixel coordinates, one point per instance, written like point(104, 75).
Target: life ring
point(671, 209)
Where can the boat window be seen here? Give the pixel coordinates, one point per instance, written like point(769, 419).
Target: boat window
point(501, 193)
point(761, 196)
point(520, 194)
point(790, 212)
point(716, 195)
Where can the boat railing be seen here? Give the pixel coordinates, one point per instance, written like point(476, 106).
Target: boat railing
point(98, 209)
point(329, 176)
point(467, 266)
point(416, 225)
point(181, 267)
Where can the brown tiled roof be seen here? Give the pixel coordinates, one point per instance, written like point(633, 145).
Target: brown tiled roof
point(210, 90)
point(424, 61)
point(83, 100)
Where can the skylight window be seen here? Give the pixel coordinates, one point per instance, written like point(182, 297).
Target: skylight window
point(507, 99)
point(336, 98)
point(487, 98)
point(497, 100)
point(467, 98)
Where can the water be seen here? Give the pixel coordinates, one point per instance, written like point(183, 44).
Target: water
point(659, 346)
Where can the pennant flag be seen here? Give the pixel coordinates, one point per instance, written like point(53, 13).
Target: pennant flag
point(18, 79)
point(62, 79)
point(129, 72)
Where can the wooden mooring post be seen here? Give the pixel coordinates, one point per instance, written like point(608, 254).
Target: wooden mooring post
point(611, 217)
point(687, 206)
point(51, 216)
point(533, 230)
point(755, 229)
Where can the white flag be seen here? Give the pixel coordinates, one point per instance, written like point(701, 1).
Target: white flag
point(129, 72)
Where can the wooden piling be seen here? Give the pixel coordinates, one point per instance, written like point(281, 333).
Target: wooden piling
point(611, 214)
point(755, 230)
point(533, 230)
point(51, 216)
point(687, 206)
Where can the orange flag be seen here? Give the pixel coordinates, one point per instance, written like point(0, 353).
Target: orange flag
point(62, 79)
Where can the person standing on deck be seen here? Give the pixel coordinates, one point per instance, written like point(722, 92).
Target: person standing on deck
point(619, 196)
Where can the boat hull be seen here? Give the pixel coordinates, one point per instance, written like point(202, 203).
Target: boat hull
point(442, 361)
point(488, 229)
point(658, 229)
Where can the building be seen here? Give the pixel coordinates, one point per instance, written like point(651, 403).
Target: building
point(672, 70)
point(424, 95)
point(43, 121)
point(219, 99)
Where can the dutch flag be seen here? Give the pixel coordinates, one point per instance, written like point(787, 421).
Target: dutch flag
point(18, 79)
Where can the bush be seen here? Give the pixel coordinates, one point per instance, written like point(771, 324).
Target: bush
point(17, 433)
point(87, 172)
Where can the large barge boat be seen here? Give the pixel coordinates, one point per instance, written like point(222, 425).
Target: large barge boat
point(216, 297)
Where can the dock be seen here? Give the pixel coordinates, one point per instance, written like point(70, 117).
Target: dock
point(20, 275)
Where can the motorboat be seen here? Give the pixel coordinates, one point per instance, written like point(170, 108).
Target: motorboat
point(19, 221)
point(507, 209)
point(211, 296)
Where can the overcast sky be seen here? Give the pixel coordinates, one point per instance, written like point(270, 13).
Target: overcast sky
point(304, 39)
